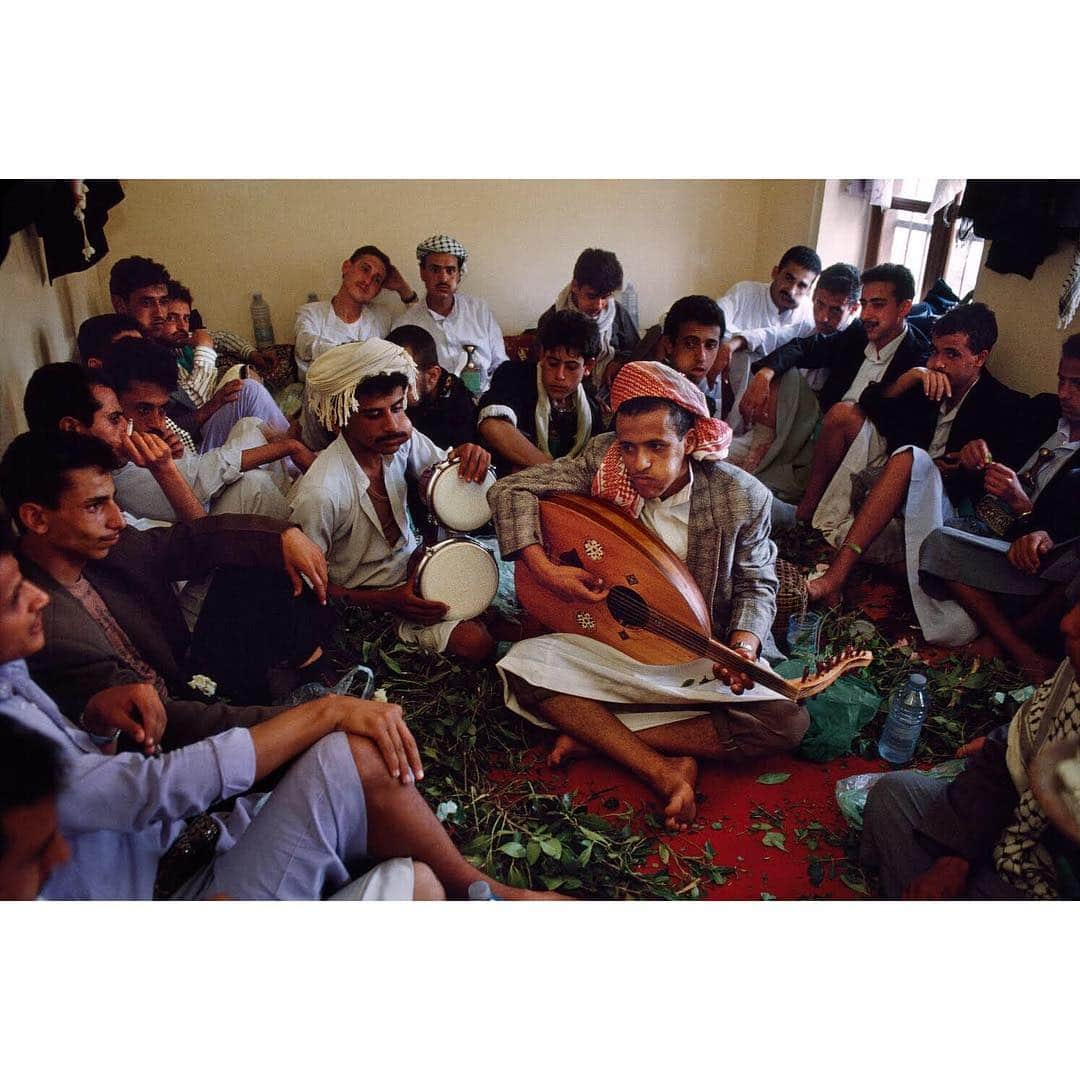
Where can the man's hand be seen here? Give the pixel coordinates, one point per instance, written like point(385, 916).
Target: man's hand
point(945, 880)
point(396, 283)
point(1001, 481)
point(935, 384)
point(573, 584)
point(1027, 552)
point(975, 455)
point(384, 724)
point(135, 709)
point(723, 359)
point(201, 337)
point(302, 457)
point(474, 461)
point(302, 556)
point(172, 440)
point(747, 646)
point(971, 747)
point(229, 392)
point(755, 398)
point(406, 602)
point(148, 451)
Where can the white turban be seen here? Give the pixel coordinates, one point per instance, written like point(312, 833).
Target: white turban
point(333, 378)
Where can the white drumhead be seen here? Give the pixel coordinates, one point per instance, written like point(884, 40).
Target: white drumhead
point(458, 505)
point(460, 573)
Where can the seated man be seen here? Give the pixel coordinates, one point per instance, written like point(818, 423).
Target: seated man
point(537, 411)
point(444, 410)
point(836, 303)
point(349, 797)
point(1011, 586)
point(67, 397)
point(468, 339)
point(983, 835)
point(226, 480)
point(31, 846)
point(761, 316)
point(879, 347)
point(661, 465)
point(352, 502)
point(210, 405)
point(352, 313)
point(939, 423)
point(597, 276)
point(95, 336)
point(115, 619)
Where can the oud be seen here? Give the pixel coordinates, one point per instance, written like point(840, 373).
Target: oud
point(654, 611)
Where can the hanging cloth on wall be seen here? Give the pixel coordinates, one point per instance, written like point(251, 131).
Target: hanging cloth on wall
point(1069, 300)
point(72, 223)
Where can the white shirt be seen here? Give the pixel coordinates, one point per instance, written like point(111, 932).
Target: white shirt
point(669, 519)
point(140, 495)
point(944, 425)
point(331, 504)
point(318, 328)
point(470, 322)
point(873, 367)
point(750, 312)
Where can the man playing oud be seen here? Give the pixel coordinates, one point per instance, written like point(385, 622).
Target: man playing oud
point(662, 466)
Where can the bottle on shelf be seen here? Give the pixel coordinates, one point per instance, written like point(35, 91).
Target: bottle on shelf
point(908, 708)
point(260, 321)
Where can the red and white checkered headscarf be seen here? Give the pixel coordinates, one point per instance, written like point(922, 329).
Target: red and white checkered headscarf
point(647, 378)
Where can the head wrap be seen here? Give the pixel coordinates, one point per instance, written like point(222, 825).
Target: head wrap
point(647, 378)
point(442, 245)
point(333, 378)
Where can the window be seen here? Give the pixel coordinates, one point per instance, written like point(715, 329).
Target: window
point(929, 247)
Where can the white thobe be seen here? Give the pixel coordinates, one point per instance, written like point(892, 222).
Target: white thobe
point(318, 328)
point(470, 322)
point(750, 312)
point(873, 367)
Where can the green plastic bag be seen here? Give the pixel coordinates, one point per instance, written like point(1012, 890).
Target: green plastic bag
point(837, 714)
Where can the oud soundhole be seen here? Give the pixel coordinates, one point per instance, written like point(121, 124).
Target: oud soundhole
point(627, 607)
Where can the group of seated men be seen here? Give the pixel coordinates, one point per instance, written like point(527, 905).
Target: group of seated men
point(146, 466)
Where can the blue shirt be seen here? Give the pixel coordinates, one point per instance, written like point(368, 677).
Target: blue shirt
point(120, 812)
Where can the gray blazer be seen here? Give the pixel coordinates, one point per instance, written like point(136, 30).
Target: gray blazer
point(730, 554)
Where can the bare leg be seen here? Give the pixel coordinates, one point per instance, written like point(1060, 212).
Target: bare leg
point(401, 824)
point(426, 886)
point(471, 643)
point(885, 499)
point(838, 430)
point(591, 723)
point(982, 607)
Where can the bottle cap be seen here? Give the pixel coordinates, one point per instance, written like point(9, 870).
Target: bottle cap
point(916, 679)
point(256, 296)
point(480, 890)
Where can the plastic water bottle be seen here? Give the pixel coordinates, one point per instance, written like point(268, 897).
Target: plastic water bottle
point(481, 890)
point(907, 711)
point(260, 320)
point(629, 303)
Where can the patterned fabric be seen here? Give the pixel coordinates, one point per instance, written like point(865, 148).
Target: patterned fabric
point(198, 382)
point(441, 244)
point(1051, 715)
point(1069, 301)
point(99, 611)
point(181, 434)
point(334, 376)
point(604, 323)
point(647, 378)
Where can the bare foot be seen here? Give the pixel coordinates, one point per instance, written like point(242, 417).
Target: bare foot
point(678, 788)
point(824, 591)
point(985, 648)
point(567, 749)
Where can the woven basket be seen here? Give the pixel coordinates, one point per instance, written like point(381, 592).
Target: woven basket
point(790, 596)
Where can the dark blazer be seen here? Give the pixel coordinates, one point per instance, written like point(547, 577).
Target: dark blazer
point(449, 418)
point(843, 354)
point(990, 411)
point(134, 580)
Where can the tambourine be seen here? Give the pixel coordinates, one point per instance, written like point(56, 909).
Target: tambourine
point(460, 573)
point(459, 505)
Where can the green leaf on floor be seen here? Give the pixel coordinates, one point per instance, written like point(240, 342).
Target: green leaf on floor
point(514, 849)
point(774, 839)
point(854, 883)
point(550, 845)
point(767, 896)
point(773, 777)
point(815, 871)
